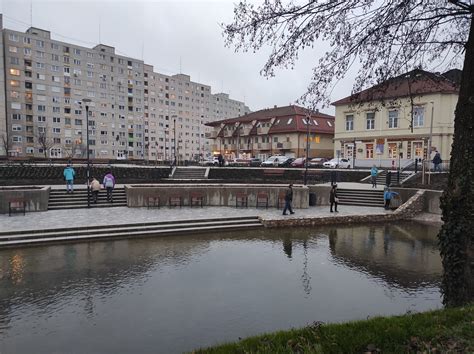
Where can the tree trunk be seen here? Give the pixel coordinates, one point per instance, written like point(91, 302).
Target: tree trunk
point(456, 238)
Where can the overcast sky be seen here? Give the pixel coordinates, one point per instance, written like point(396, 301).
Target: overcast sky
point(165, 33)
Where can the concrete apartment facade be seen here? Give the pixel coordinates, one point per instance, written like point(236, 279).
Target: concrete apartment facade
point(134, 113)
point(374, 126)
point(275, 131)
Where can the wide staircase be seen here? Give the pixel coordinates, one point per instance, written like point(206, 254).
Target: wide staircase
point(59, 199)
point(30, 237)
point(381, 177)
point(189, 173)
point(360, 197)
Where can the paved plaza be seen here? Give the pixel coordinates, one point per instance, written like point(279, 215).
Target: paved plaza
point(123, 215)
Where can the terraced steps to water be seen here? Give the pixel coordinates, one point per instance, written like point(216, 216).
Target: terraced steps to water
point(361, 197)
point(381, 177)
point(189, 173)
point(60, 199)
point(164, 228)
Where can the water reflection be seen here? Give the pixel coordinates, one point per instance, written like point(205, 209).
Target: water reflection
point(190, 291)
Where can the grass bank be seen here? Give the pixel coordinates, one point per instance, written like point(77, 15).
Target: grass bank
point(442, 331)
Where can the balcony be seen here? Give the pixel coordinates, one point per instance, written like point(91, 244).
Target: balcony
point(264, 146)
point(283, 146)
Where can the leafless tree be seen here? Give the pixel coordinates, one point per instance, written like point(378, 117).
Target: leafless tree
point(384, 38)
point(44, 139)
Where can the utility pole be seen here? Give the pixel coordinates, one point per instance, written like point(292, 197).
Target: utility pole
point(174, 128)
point(429, 143)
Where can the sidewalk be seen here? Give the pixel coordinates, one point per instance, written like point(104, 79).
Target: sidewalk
point(123, 215)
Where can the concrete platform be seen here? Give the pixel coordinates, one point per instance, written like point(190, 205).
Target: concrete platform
point(123, 215)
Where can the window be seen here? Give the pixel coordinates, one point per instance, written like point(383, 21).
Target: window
point(350, 122)
point(370, 121)
point(17, 139)
point(418, 116)
point(77, 51)
point(39, 54)
point(39, 65)
point(56, 109)
point(16, 128)
point(14, 61)
point(13, 37)
point(13, 49)
point(30, 150)
point(329, 123)
point(14, 83)
point(16, 105)
point(15, 72)
point(39, 43)
point(77, 121)
point(40, 87)
point(55, 68)
point(54, 57)
point(54, 46)
point(55, 78)
point(67, 70)
point(392, 150)
point(56, 120)
point(41, 108)
point(393, 119)
point(41, 76)
point(41, 98)
point(16, 116)
point(56, 130)
point(369, 151)
point(90, 55)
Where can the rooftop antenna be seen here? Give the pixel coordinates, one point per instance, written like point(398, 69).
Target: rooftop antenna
point(180, 66)
point(31, 13)
point(99, 30)
point(143, 51)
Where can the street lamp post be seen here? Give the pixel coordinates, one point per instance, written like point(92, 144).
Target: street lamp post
point(307, 151)
point(87, 102)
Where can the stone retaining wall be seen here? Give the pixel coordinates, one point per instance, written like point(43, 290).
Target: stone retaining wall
point(413, 206)
point(36, 198)
point(214, 194)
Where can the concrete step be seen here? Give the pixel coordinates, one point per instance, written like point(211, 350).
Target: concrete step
point(83, 206)
point(31, 237)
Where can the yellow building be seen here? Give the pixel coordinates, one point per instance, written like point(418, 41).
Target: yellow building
point(275, 131)
point(390, 124)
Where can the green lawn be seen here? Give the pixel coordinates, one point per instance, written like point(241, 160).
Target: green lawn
point(442, 331)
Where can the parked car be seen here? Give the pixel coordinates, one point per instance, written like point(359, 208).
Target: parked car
point(239, 162)
point(255, 162)
point(299, 162)
point(287, 162)
point(275, 161)
point(337, 163)
point(317, 162)
point(212, 161)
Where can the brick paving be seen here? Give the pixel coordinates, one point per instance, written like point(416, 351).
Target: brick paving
point(123, 215)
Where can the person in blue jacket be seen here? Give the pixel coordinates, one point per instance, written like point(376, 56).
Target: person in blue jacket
point(69, 174)
point(373, 176)
point(387, 196)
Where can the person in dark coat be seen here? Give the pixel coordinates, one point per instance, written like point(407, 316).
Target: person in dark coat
point(437, 161)
point(333, 198)
point(333, 178)
point(288, 200)
point(388, 178)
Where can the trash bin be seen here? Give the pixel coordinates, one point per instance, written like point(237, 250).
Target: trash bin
point(312, 199)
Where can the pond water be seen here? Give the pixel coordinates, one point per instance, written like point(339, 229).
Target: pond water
point(175, 294)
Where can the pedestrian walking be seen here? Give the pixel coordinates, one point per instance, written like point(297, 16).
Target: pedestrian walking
point(437, 161)
point(333, 199)
point(220, 160)
point(388, 178)
point(69, 174)
point(95, 188)
point(387, 196)
point(288, 200)
point(373, 175)
point(109, 185)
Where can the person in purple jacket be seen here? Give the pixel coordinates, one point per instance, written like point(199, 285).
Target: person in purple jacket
point(109, 184)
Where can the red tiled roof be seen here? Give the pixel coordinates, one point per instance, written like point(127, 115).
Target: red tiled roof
point(292, 114)
point(416, 82)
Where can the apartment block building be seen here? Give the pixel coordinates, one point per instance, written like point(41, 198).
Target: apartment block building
point(134, 112)
point(398, 121)
point(276, 131)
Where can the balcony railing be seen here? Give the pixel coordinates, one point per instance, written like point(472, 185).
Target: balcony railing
point(264, 146)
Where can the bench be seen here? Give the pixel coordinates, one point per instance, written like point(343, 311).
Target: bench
point(241, 200)
point(17, 205)
point(196, 199)
point(175, 201)
point(153, 202)
point(262, 200)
